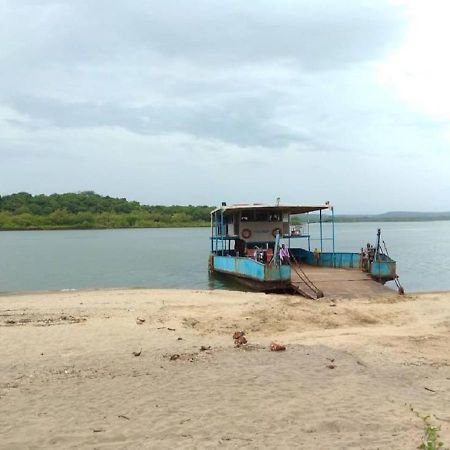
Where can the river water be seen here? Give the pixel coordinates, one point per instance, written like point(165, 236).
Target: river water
point(177, 257)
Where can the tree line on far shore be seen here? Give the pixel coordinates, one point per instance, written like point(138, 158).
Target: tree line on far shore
point(88, 210)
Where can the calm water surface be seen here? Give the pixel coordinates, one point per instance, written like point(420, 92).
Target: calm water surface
point(177, 258)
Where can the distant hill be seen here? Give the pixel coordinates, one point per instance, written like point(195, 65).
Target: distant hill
point(417, 215)
point(395, 216)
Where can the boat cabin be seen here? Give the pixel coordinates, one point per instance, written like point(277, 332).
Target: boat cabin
point(251, 230)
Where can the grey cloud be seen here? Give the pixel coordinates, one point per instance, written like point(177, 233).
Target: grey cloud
point(81, 64)
point(317, 35)
point(244, 121)
point(25, 152)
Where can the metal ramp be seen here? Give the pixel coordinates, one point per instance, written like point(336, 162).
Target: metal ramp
point(302, 285)
point(309, 280)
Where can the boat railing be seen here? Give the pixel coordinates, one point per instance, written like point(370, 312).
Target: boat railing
point(383, 268)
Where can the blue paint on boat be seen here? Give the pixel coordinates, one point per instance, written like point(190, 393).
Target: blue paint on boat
point(383, 269)
point(249, 268)
point(246, 239)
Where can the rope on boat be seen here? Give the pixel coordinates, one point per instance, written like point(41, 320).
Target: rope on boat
point(305, 279)
point(400, 289)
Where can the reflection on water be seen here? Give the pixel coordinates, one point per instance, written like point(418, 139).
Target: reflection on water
point(178, 258)
point(222, 281)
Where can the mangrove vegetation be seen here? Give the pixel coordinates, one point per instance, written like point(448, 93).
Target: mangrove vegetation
point(88, 210)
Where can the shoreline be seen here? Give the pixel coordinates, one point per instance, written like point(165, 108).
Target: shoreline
point(106, 228)
point(207, 225)
point(158, 368)
point(87, 290)
point(197, 290)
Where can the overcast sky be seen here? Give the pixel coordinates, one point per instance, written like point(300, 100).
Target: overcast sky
point(198, 102)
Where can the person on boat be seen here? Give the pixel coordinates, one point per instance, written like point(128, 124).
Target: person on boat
point(239, 247)
point(284, 255)
point(316, 255)
point(361, 258)
point(370, 252)
point(364, 257)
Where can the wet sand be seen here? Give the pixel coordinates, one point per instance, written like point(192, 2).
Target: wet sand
point(351, 373)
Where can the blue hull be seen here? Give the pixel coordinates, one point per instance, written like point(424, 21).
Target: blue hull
point(264, 277)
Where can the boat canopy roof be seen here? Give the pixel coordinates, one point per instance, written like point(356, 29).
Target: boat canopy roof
point(284, 208)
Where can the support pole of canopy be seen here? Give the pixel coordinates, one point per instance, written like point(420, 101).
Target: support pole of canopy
point(321, 235)
point(289, 228)
point(332, 224)
point(309, 233)
point(212, 233)
point(216, 231)
point(221, 229)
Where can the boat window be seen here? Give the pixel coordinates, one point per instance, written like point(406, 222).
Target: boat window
point(246, 216)
point(275, 217)
point(261, 216)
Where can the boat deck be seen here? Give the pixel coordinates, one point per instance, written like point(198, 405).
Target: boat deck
point(336, 282)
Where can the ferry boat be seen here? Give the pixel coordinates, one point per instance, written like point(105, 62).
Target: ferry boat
point(246, 240)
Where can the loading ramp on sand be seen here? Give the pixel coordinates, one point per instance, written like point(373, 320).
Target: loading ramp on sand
point(311, 281)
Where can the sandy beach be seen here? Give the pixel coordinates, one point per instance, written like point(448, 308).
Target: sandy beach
point(126, 369)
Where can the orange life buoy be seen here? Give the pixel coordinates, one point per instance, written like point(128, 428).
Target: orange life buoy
point(275, 231)
point(246, 233)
